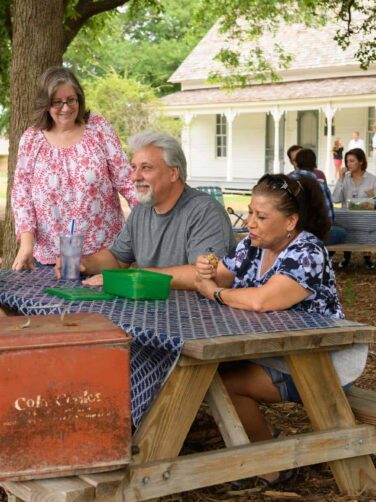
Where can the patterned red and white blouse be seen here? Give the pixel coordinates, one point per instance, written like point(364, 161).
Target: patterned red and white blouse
point(53, 185)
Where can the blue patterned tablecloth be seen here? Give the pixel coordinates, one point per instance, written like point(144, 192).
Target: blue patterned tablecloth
point(158, 328)
point(360, 226)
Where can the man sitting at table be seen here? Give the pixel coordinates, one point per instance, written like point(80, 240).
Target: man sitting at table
point(172, 225)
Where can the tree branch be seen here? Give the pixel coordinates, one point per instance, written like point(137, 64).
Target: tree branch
point(85, 10)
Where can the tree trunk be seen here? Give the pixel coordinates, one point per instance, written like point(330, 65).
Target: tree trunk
point(38, 37)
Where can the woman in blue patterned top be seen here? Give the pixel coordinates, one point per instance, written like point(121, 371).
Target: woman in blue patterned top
point(282, 264)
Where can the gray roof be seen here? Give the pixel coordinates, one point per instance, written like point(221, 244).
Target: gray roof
point(311, 48)
point(281, 91)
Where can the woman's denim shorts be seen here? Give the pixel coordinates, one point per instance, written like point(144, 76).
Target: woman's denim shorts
point(286, 386)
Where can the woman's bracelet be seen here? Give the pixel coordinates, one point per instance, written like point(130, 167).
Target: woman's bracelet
point(217, 296)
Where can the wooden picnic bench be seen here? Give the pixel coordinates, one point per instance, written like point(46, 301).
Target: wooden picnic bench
point(157, 469)
point(354, 248)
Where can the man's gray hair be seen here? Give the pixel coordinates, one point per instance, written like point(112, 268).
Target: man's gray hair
point(172, 151)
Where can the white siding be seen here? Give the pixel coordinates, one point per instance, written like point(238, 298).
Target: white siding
point(203, 160)
point(291, 137)
point(348, 120)
point(249, 145)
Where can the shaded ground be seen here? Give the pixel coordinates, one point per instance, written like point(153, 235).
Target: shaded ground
point(315, 483)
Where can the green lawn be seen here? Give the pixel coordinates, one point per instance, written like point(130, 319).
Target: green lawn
point(237, 202)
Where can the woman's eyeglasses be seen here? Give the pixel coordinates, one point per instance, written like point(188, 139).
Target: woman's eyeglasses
point(59, 103)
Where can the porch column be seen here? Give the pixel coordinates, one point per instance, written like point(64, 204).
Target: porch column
point(230, 115)
point(277, 114)
point(329, 111)
point(186, 139)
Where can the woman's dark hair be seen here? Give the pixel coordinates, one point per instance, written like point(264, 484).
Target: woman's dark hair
point(303, 197)
point(359, 155)
point(306, 159)
point(48, 84)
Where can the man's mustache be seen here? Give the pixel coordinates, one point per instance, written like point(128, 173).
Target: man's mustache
point(138, 184)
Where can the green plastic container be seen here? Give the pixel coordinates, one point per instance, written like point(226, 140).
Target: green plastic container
point(137, 284)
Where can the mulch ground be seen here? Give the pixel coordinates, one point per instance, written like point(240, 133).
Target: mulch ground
point(357, 288)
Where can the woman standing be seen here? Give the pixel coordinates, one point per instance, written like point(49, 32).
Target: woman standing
point(70, 165)
point(337, 156)
point(282, 264)
point(354, 182)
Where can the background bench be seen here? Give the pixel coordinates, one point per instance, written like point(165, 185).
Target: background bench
point(361, 248)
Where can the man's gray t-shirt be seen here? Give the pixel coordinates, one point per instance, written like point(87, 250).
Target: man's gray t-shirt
point(196, 223)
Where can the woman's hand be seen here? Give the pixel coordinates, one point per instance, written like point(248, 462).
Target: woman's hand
point(205, 286)
point(204, 269)
point(24, 259)
point(342, 173)
point(369, 192)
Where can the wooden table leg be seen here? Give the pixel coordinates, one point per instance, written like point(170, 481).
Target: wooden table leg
point(225, 415)
point(327, 407)
point(163, 430)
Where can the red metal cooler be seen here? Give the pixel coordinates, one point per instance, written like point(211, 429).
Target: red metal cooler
point(65, 396)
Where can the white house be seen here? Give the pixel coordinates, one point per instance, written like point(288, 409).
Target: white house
point(231, 139)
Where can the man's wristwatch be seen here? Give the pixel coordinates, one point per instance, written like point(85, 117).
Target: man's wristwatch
point(217, 296)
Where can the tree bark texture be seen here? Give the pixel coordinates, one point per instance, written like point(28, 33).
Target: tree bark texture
point(37, 43)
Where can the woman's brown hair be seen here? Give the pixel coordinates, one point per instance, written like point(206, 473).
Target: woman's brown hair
point(359, 155)
point(48, 83)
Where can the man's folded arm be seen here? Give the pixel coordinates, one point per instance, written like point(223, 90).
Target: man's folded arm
point(183, 275)
point(95, 263)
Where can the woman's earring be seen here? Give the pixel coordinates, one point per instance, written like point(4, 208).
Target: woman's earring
point(288, 235)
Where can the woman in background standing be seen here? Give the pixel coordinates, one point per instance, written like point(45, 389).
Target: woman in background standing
point(70, 165)
point(337, 156)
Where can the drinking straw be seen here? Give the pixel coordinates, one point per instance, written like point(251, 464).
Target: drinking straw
point(72, 224)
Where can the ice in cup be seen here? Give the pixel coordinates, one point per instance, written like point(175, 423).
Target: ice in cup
point(70, 255)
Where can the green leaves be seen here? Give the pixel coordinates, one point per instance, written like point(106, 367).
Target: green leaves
point(128, 105)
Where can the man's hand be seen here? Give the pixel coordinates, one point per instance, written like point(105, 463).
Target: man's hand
point(95, 280)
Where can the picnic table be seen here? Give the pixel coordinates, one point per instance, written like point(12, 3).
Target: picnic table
point(184, 340)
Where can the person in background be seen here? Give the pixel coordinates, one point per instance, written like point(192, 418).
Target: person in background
point(374, 147)
point(70, 165)
point(172, 224)
point(354, 182)
point(306, 165)
point(356, 142)
point(292, 153)
point(282, 264)
point(337, 156)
